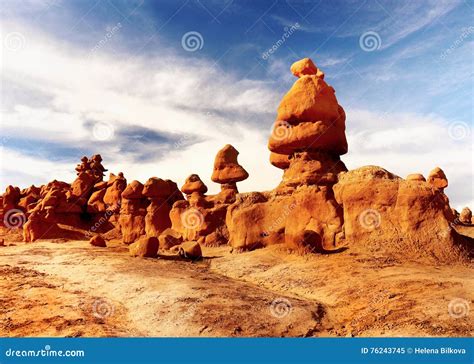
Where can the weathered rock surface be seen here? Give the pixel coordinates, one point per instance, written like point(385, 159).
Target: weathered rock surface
point(145, 247)
point(98, 240)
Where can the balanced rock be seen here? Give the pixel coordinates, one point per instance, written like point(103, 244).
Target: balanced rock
point(465, 216)
point(438, 179)
point(146, 246)
point(98, 240)
point(304, 67)
point(227, 171)
point(193, 184)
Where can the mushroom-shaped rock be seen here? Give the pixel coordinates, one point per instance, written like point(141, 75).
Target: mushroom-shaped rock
point(193, 184)
point(190, 250)
point(465, 216)
point(438, 179)
point(226, 167)
point(281, 161)
point(156, 188)
point(133, 191)
point(416, 177)
point(98, 240)
point(305, 67)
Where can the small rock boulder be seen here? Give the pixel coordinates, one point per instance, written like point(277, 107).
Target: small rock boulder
point(169, 238)
point(98, 240)
point(145, 247)
point(190, 250)
point(465, 216)
point(438, 179)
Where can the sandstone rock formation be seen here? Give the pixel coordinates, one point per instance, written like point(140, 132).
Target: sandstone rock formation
point(132, 212)
point(319, 206)
point(227, 172)
point(302, 212)
point(438, 179)
point(161, 194)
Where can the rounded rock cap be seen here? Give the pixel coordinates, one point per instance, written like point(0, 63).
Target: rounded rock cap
point(305, 67)
point(193, 184)
point(226, 167)
point(156, 187)
point(281, 161)
point(133, 190)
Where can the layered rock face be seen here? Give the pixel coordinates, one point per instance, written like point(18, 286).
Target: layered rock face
point(383, 212)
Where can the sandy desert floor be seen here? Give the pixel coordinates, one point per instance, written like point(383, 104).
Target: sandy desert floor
point(72, 289)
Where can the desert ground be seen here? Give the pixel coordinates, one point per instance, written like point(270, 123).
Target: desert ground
point(71, 289)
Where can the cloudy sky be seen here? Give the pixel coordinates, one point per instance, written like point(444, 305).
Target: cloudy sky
point(157, 87)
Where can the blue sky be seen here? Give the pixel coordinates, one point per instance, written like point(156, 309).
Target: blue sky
point(81, 77)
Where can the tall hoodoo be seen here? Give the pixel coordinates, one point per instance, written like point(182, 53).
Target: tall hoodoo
point(228, 171)
point(310, 127)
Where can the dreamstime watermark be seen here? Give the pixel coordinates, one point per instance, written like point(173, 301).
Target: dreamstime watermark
point(370, 41)
point(111, 31)
point(14, 219)
point(41, 353)
point(288, 32)
point(459, 130)
point(466, 32)
point(103, 219)
point(280, 307)
point(14, 41)
point(103, 131)
point(281, 130)
point(370, 219)
point(458, 308)
point(192, 219)
point(102, 308)
point(192, 41)
point(281, 218)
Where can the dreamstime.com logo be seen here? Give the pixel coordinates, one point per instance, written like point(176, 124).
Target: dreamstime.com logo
point(14, 41)
point(102, 308)
point(47, 352)
point(280, 307)
point(103, 131)
point(192, 219)
point(370, 41)
point(459, 130)
point(14, 219)
point(281, 130)
point(370, 219)
point(192, 41)
point(458, 308)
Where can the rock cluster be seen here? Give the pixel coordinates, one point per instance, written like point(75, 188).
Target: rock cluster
point(319, 206)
